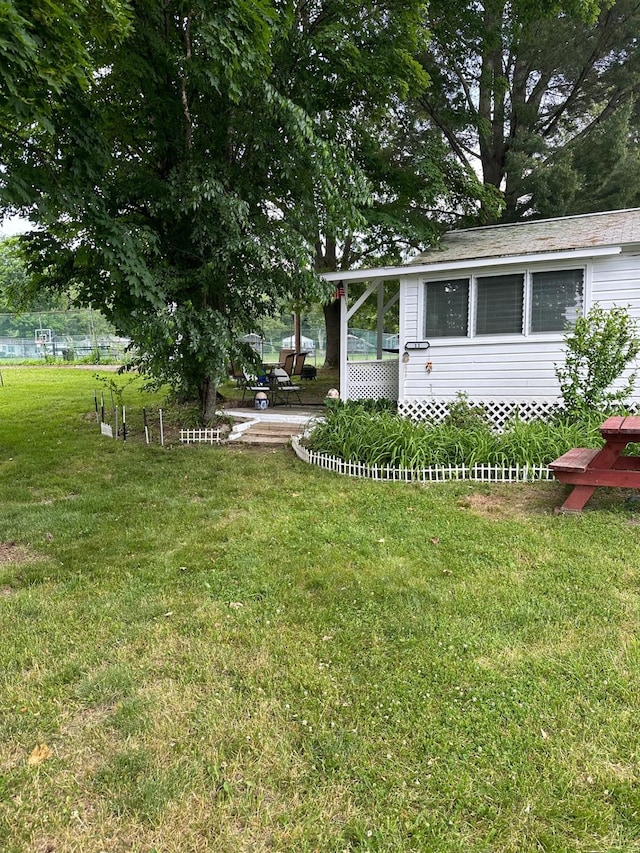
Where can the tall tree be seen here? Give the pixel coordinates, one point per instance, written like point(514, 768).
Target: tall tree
point(524, 89)
point(352, 65)
point(187, 189)
point(169, 187)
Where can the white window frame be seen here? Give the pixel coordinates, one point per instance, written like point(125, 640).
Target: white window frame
point(470, 301)
point(529, 294)
point(526, 272)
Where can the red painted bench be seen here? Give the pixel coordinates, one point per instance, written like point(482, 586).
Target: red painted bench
point(586, 468)
point(577, 459)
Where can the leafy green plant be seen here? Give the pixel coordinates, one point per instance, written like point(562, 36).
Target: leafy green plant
point(381, 405)
point(466, 438)
point(115, 388)
point(539, 442)
point(461, 413)
point(600, 347)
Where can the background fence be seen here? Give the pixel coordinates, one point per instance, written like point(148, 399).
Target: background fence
point(78, 333)
point(361, 343)
point(64, 335)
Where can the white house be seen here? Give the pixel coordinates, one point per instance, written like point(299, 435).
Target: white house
point(255, 342)
point(485, 312)
point(306, 344)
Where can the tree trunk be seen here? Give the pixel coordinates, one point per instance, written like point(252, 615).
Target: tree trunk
point(332, 323)
point(208, 400)
point(491, 100)
point(296, 331)
point(327, 259)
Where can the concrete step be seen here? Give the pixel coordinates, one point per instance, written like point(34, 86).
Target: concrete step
point(273, 440)
point(275, 427)
point(269, 433)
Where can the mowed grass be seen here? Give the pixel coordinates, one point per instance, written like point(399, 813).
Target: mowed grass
point(222, 649)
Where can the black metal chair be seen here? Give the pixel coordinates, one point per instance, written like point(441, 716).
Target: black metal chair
point(254, 384)
point(283, 389)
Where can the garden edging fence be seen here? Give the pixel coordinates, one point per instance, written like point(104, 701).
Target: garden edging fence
point(436, 474)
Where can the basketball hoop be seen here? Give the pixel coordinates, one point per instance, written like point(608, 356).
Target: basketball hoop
point(43, 337)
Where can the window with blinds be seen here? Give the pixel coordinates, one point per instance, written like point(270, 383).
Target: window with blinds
point(514, 304)
point(447, 308)
point(499, 304)
point(556, 299)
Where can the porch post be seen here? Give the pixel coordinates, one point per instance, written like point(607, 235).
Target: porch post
point(380, 324)
point(402, 337)
point(344, 333)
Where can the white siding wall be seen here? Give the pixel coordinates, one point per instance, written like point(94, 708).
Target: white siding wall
point(616, 281)
point(514, 368)
point(520, 370)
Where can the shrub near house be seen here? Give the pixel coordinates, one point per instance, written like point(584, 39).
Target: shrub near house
point(354, 432)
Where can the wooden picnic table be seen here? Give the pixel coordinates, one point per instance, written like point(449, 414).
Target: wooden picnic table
point(586, 468)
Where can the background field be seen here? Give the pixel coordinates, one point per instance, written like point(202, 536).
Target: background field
point(221, 649)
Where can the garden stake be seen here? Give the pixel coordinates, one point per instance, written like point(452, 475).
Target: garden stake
point(146, 427)
point(161, 429)
point(95, 400)
point(114, 412)
point(124, 424)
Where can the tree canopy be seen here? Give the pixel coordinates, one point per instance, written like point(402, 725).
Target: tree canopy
point(534, 93)
point(48, 53)
point(183, 186)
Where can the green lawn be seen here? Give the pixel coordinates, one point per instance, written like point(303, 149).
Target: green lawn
point(222, 649)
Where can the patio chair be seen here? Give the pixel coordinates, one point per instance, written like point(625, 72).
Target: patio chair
point(283, 355)
point(298, 364)
point(283, 388)
point(254, 384)
point(289, 361)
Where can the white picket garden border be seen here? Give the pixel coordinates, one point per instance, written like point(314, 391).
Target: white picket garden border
point(434, 474)
point(195, 436)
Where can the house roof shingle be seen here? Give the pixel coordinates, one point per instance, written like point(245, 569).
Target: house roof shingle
point(612, 228)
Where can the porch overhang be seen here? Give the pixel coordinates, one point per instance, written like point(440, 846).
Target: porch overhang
point(407, 270)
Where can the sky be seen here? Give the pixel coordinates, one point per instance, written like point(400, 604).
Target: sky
point(11, 225)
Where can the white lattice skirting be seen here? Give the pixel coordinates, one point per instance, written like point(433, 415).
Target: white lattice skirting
point(372, 380)
point(436, 474)
point(498, 412)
